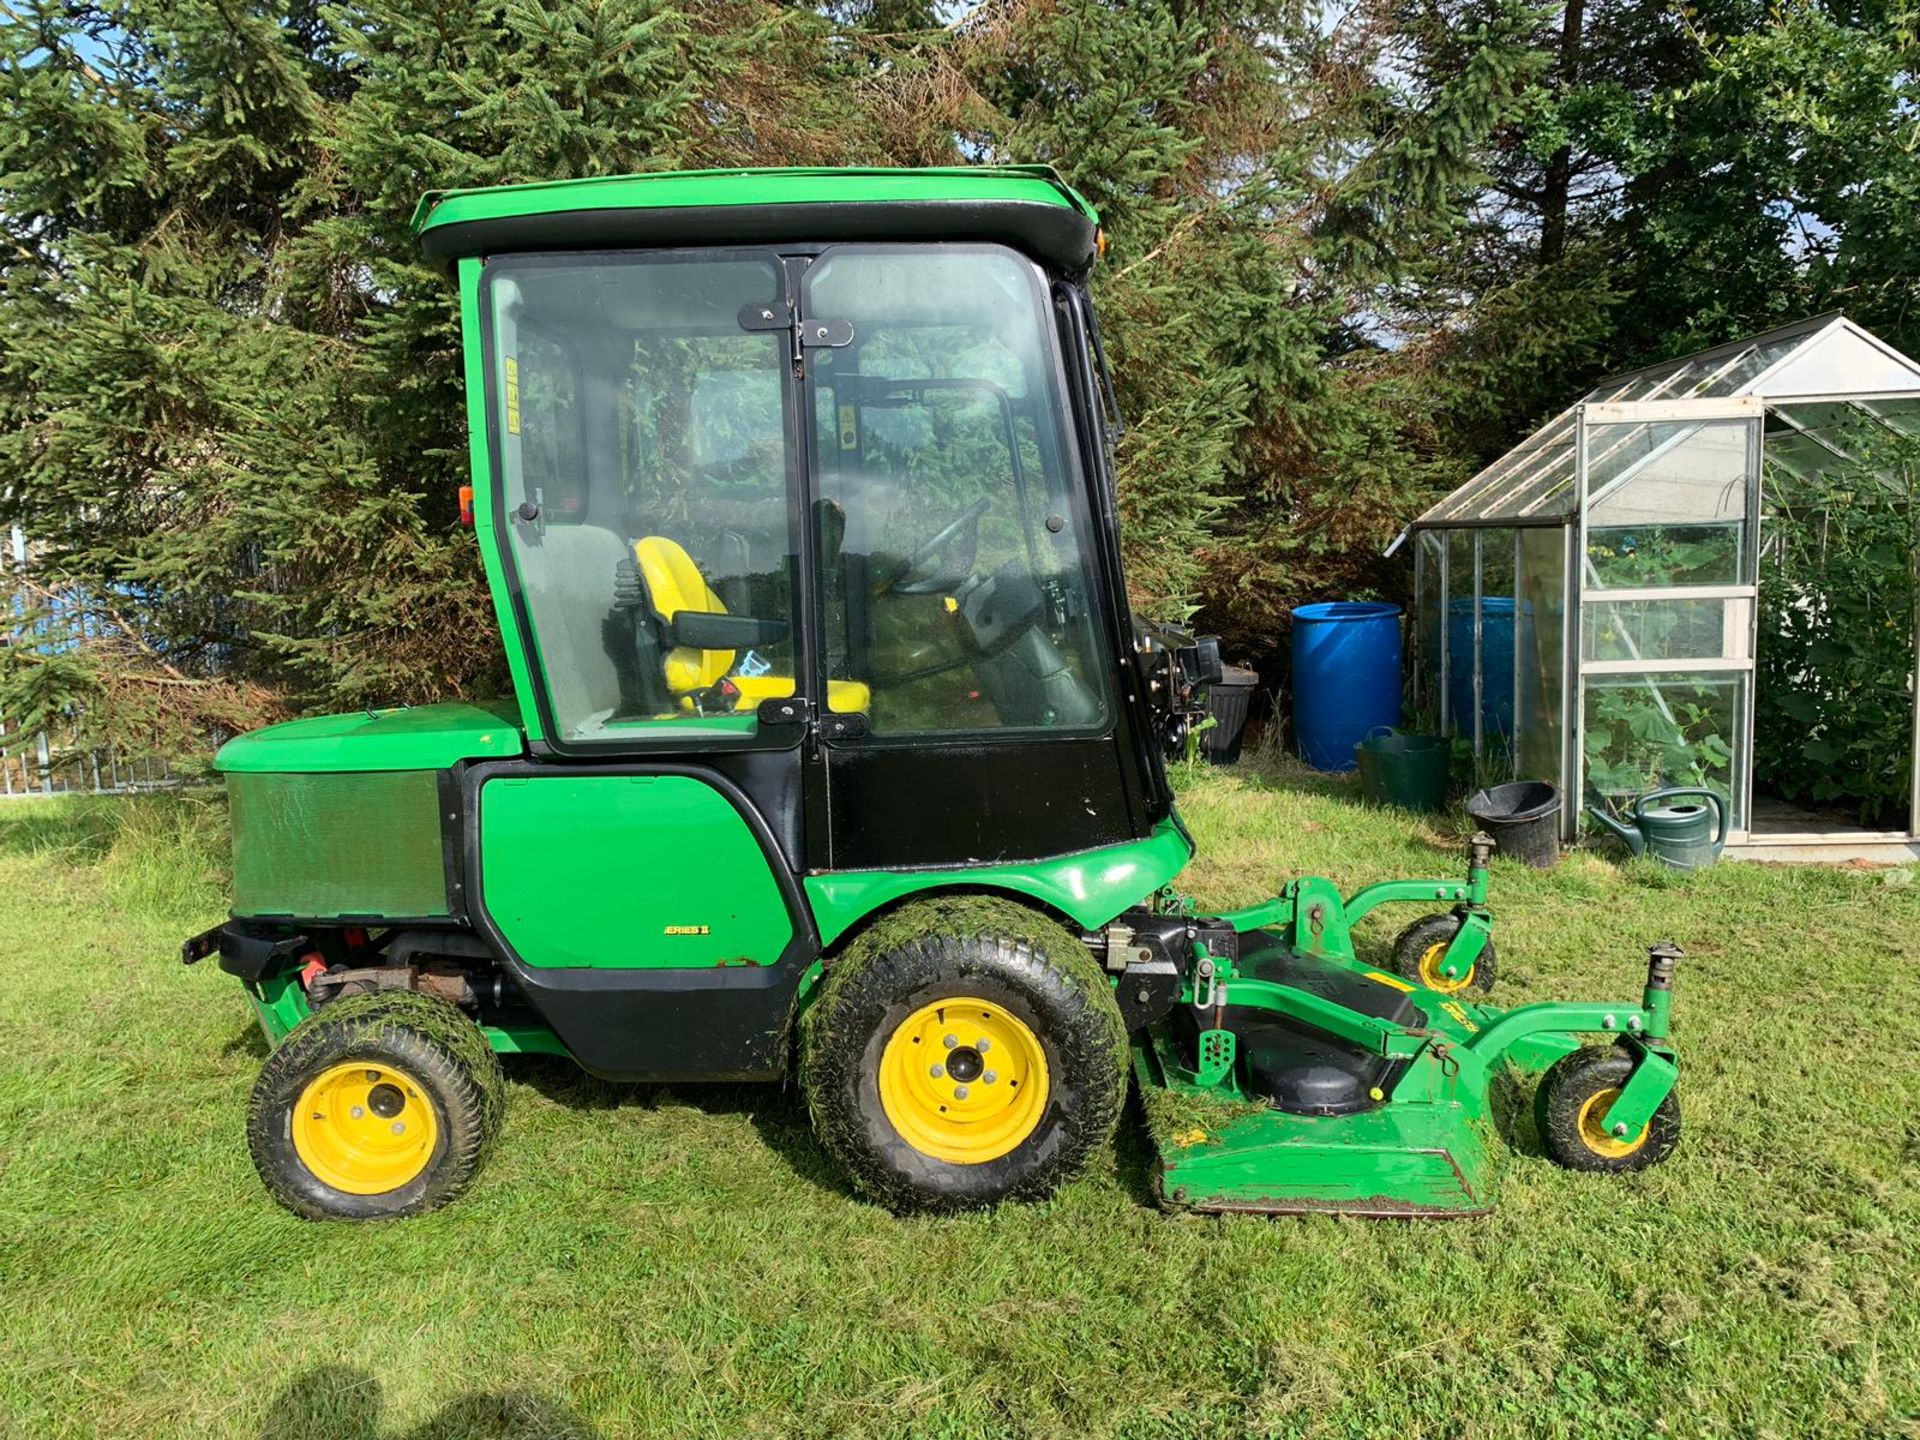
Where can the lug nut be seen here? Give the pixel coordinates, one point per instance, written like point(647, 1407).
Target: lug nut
point(937, 1071)
point(990, 1077)
point(959, 1092)
point(358, 1113)
point(1620, 1130)
point(983, 1046)
point(949, 1042)
point(399, 1127)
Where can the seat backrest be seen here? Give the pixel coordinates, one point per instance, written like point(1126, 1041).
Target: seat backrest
point(674, 583)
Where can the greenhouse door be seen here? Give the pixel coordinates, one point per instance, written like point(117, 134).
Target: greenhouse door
point(1668, 540)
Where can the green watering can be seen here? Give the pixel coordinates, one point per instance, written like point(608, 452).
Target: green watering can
point(1673, 826)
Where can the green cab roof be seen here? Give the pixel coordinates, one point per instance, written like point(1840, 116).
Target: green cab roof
point(421, 737)
point(1028, 206)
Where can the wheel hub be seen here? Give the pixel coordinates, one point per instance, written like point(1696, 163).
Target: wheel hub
point(364, 1129)
point(1596, 1136)
point(963, 1080)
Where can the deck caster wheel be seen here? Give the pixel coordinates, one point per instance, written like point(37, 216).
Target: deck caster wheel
point(972, 1055)
point(1423, 945)
point(1573, 1096)
point(379, 1105)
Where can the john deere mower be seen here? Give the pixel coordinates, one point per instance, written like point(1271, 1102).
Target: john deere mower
point(834, 754)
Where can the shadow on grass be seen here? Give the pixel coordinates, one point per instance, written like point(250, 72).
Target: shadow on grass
point(76, 829)
point(775, 1111)
point(336, 1402)
point(248, 1040)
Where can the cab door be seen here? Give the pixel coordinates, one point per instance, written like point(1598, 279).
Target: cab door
point(966, 643)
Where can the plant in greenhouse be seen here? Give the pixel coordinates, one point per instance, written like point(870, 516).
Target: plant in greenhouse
point(1836, 655)
point(1652, 732)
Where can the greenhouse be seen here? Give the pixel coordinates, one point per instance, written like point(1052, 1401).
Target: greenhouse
point(1700, 574)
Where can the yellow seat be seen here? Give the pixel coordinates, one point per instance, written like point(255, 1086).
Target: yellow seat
point(674, 583)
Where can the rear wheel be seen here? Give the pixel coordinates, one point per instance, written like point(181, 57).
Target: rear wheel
point(1423, 945)
point(968, 1052)
point(1573, 1098)
point(379, 1105)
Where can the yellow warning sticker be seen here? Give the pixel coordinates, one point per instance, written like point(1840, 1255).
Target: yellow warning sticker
point(849, 428)
point(513, 396)
point(1394, 981)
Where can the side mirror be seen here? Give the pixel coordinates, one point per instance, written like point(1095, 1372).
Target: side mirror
point(711, 630)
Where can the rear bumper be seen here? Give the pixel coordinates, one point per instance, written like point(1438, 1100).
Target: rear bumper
point(247, 951)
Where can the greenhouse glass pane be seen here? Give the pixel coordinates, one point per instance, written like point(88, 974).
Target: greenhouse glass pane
point(1426, 631)
point(1458, 716)
point(1540, 617)
point(1491, 494)
point(1667, 504)
point(1902, 414)
point(1549, 492)
point(1752, 363)
point(1645, 732)
point(1661, 629)
point(1496, 645)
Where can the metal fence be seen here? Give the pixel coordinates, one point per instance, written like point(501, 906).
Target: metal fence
point(31, 764)
point(39, 763)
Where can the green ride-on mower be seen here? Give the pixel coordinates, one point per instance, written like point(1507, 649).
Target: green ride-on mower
point(835, 754)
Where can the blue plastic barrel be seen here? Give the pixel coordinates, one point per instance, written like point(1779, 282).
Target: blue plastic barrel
point(1346, 677)
point(1496, 665)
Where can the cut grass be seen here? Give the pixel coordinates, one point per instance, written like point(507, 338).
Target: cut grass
point(682, 1262)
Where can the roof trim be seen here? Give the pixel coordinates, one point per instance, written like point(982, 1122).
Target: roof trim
point(1029, 206)
point(1052, 234)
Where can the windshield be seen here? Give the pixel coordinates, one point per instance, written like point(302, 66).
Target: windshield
point(650, 496)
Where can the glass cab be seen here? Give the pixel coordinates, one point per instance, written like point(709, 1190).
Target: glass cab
point(667, 466)
point(743, 498)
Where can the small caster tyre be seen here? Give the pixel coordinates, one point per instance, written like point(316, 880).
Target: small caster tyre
point(1573, 1096)
point(376, 1106)
point(1423, 945)
point(972, 1053)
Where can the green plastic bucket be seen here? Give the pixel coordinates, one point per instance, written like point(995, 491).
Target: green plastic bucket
point(1405, 770)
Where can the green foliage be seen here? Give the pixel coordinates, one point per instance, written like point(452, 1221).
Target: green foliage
point(1350, 262)
point(1836, 657)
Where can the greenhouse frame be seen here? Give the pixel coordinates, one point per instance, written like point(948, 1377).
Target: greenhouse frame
point(1722, 537)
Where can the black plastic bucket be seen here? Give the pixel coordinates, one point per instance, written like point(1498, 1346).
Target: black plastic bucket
point(1523, 817)
point(1405, 770)
point(1229, 699)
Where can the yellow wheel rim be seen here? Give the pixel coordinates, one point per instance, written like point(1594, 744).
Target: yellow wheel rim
point(1594, 1136)
point(963, 1080)
point(1429, 970)
point(365, 1127)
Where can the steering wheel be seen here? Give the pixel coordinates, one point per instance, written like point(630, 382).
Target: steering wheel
point(896, 579)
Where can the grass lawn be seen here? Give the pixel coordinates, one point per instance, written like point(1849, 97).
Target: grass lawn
point(682, 1262)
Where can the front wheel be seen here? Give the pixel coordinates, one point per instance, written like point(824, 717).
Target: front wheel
point(969, 1052)
point(1423, 945)
point(377, 1106)
point(1572, 1100)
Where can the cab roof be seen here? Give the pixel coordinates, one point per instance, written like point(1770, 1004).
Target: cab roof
point(1027, 206)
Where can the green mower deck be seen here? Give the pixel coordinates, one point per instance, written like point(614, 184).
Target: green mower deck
point(1294, 1078)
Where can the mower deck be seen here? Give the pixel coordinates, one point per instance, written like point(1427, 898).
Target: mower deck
point(1306, 1121)
point(1294, 1078)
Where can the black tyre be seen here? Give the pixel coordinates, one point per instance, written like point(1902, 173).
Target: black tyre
point(1423, 945)
point(1572, 1097)
point(965, 1051)
point(377, 1106)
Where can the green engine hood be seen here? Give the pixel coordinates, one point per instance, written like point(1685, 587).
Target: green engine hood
point(425, 737)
